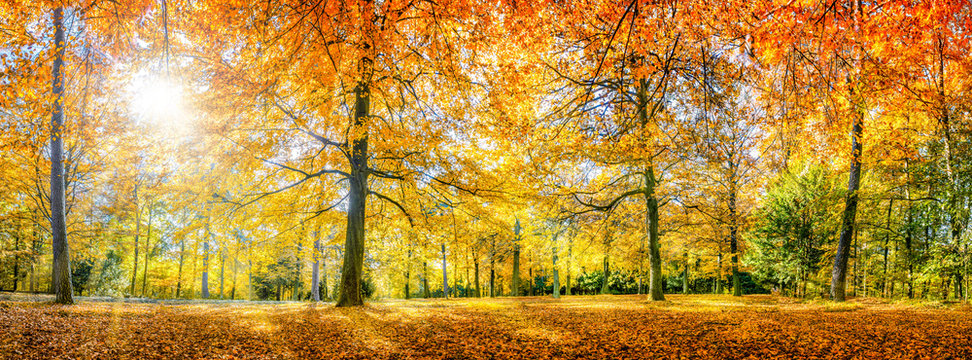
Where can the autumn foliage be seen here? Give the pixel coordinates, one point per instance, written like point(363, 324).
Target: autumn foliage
point(710, 327)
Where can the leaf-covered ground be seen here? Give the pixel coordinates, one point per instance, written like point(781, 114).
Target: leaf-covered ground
point(700, 326)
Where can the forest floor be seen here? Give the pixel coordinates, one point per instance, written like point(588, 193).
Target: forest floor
point(685, 326)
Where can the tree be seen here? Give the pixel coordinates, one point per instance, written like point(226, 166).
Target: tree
point(62, 260)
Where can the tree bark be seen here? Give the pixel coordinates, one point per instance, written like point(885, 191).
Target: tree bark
point(445, 275)
point(685, 274)
point(654, 251)
point(408, 275)
point(734, 241)
point(516, 259)
point(63, 291)
point(138, 230)
point(425, 280)
point(205, 272)
point(148, 239)
point(182, 256)
point(315, 272)
point(839, 279)
point(556, 273)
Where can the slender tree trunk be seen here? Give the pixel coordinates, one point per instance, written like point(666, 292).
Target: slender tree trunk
point(297, 282)
point(222, 268)
point(570, 249)
point(492, 271)
point(315, 272)
point(476, 276)
point(63, 292)
point(16, 258)
point(138, 231)
point(516, 259)
point(205, 272)
point(685, 274)
point(733, 240)
point(408, 275)
point(445, 275)
point(148, 239)
point(182, 256)
point(425, 280)
point(556, 273)
point(607, 275)
point(719, 273)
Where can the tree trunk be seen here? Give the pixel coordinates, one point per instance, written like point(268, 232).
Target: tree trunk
point(476, 275)
point(839, 279)
point(570, 249)
point(654, 251)
point(182, 256)
point(222, 269)
point(315, 272)
point(351, 269)
point(734, 241)
point(719, 273)
point(205, 272)
point(63, 292)
point(492, 273)
point(408, 275)
point(516, 259)
point(685, 274)
point(445, 275)
point(298, 285)
point(556, 273)
point(148, 239)
point(425, 280)
point(138, 230)
point(607, 275)
point(532, 282)
point(838, 282)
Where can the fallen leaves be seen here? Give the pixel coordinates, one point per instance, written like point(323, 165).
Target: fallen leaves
point(574, 327)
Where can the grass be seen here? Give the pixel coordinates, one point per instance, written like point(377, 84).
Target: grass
point(622, 326)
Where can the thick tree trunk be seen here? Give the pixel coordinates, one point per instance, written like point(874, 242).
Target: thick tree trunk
point(654, 251)
point(838, 284)
point(351, 270)
point(63, 292)
point(839, 279)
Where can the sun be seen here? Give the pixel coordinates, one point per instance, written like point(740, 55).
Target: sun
point(160, 102)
